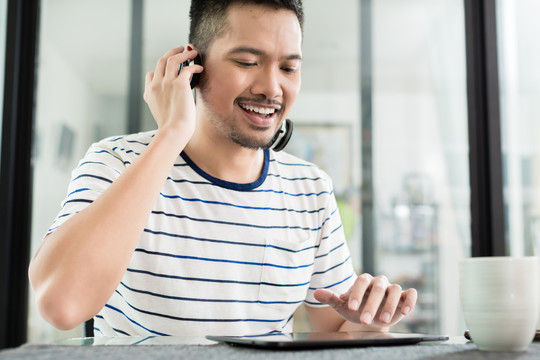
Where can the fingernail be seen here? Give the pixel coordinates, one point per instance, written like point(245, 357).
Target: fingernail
point(366, 318)
point(406, 310)
point(385, 317)
point(354, 305)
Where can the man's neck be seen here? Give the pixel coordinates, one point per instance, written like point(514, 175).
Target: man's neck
point(225, 160)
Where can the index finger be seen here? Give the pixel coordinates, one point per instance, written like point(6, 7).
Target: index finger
point(358, 290)
point(176, 64)
point(161, 65)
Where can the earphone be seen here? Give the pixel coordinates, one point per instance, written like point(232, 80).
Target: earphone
point(283, 135)
point(195, 77)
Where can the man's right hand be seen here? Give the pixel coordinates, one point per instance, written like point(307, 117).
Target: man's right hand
point(168, 93)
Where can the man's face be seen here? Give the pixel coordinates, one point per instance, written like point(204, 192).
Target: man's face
point(252, 74)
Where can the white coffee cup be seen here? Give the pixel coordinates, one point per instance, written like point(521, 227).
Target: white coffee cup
point(500, 301)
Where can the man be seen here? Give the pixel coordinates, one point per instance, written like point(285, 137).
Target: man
point(197, 227)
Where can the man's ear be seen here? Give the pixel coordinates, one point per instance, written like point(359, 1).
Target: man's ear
point(190, 47)
point(197, 60)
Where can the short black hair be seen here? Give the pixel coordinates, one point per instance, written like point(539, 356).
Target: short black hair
point(208, 18)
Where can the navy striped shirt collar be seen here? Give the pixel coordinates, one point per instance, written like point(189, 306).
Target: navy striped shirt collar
point(228, 184)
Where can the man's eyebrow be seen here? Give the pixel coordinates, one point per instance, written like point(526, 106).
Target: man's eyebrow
point(259, 52)
point(246, 49)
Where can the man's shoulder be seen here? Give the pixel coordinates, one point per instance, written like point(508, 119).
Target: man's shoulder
point(123, 148)
point(127, 141)
point(122, 145)
point(287, 158)
point(287, 163)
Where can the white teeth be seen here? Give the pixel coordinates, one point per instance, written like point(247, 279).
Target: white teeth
point(259, 110)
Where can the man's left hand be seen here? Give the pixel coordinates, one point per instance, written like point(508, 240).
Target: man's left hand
point(371, 301)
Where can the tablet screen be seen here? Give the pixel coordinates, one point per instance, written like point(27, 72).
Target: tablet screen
point(327, 339)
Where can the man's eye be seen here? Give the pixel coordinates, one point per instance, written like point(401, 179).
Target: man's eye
point(246, 63)
point(289, 70)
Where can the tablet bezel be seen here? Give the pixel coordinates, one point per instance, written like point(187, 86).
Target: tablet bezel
point(300, 341)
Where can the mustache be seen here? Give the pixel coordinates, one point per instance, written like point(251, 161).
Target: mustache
point(260, 101)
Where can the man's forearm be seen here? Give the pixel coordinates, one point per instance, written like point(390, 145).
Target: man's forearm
point(79, 265)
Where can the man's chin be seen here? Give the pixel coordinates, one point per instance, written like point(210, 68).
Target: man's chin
point(253, 144)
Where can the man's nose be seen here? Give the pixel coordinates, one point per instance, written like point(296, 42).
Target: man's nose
point(267, 83)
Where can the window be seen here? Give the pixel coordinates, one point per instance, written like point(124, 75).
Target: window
point(519, 56)
point(420, 154)
point(413, 139)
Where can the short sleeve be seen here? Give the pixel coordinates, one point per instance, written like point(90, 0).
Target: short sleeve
point(99, 168)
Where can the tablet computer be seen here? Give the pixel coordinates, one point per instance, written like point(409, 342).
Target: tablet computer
point(316, 340)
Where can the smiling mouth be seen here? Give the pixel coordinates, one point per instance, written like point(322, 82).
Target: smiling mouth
point(259, 110)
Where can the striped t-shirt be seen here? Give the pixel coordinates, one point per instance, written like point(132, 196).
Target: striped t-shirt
point(218, 257)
